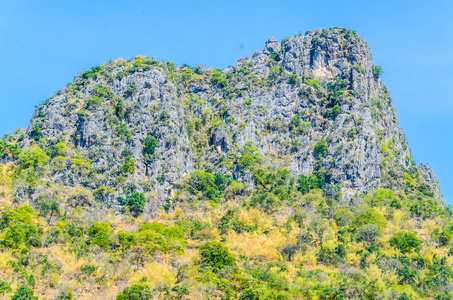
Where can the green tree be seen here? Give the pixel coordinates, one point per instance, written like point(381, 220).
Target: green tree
point(59, 149)
point(24, 292)
point(369, 215)
point(4, 287)
point(52, 207)
point(216, 255)
point(308, 183)
point(150, 144)
point(377, 71)
point(294, 78)
point(368, 233)
point(136, 203)
point(406, 241)
point(32, 157)
point(99, 234)
point(136, 292)
point(320, 149)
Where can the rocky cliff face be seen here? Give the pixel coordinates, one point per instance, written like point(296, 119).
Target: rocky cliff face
point(313, 104)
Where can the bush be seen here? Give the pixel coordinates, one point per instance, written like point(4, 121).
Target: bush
point(275, 56)
point(135, 292)
point(93, 103)
point(406, 241)
point(368, 233)
point(308, 183)
point(36, 132)
point(103, 91)
point(99, 234)
point(211, 185)
point(333, 112)
point(219, 79)
point(290, 250)
point(132, 89)
point(313, 83)
point(24, 292)
point(250, 157)
point(88, 269)
point(4, 287)
point(320, 149)
point(295, 122)
point(59, 149)
point(381, 197)
point(216, 255)
point(294, 79)
point(19, 231)
point(32, 157)
point(368, 215)
point(377, 71)
point(135, 201)
point(151, 144)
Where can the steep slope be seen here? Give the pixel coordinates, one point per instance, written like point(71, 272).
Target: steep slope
point(284, 176)
point(313, 104)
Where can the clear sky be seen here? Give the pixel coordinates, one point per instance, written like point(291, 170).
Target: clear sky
point(44, 44)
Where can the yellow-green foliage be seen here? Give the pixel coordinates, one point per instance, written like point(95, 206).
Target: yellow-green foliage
point(217, 237)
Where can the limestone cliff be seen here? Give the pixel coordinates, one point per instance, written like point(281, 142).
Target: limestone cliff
point(314, 104)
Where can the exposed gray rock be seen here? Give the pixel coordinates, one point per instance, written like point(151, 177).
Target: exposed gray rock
point(431, 180)
point(199, 120)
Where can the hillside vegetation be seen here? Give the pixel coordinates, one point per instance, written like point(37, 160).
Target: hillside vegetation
point(284, 176)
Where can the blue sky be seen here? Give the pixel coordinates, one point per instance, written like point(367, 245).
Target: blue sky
point(44, 44)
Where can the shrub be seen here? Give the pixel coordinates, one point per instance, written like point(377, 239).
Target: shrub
point(267, 200)
point(368, 233)
point(4, 287)
point(19, 231)
point(295, 122)
point(313, 83)
point(24, 292)
point(219, 79)
point(59, 149)
point(290, 250)
point(32, 157)
point(135, 201)
point(128, 166)
point(150, 144)
point(132, 89)
point(294, 79)
point(99, 234)
point(247, 101)
point(368, 215)
point(216, 255)
point(88, 269)
point(211, 185)
point(93, 103)
point(377, 71)
point(333, 112)
point(164, 116)
point(275, 56)
point(250, 157)
point(320, 149)
point(406, 241)
point(103, 91)
point(308, 183)
point(136, 292)
point(342, 217)
point(36, 132)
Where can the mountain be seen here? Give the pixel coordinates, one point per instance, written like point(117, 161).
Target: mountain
point(289, 164)
point(317, 89)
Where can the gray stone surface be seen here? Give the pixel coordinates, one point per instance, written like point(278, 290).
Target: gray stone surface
point(365, 146)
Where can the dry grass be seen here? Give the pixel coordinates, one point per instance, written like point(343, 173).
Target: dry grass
point(154, 273)
point(253, 244)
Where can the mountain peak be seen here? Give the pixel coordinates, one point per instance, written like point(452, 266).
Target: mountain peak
point(318, 87)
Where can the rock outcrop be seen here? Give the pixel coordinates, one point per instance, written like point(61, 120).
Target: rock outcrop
point(313, 104)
